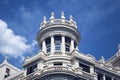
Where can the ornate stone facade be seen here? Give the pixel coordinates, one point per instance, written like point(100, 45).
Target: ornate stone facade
point(60, 59)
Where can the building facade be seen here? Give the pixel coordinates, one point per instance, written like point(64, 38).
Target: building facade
point(60, 59)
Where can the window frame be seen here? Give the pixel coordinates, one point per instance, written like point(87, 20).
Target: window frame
point(31, 68)
point(57, 63)
point(84, 67)
point(57, 41)
point(48, 45)
point(67, 44)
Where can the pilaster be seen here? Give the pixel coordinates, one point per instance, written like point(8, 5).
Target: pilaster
point(63, 44)
point(40, 65)
point(104, 78)
point(44, 46)
point(52, 45)
point(76, 64)
point(91, 69)
point(72, 45)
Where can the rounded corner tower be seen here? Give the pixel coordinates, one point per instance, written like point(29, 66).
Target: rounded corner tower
point(58, 38)
point(59, 58)
point(58, 35)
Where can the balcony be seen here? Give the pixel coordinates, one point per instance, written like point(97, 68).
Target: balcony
point(57, 69)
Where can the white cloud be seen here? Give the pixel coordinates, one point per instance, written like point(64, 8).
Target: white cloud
point(11, 44)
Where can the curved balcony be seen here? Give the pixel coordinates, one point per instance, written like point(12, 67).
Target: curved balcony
point(58, 69)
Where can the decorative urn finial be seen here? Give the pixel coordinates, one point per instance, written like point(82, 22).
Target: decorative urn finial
point(5, 59)
point(62, 16)
point(102, 60)
point(52, 17)
point(71, 18)
point(44, 20)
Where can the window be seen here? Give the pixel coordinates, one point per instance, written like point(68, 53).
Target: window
point(57, 63)
point(67, 48)
point(57, 40)
point(67, 44)
point(108, 77)
point(100, 76)
point(84, 67)
point(31, 69)
point(48, 46)
point(7, 73)
point(75, 44)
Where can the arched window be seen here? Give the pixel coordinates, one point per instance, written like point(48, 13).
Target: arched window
point(67, 44)
point(57, 40)
point(48, 46)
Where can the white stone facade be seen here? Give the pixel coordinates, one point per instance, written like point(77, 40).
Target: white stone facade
point(7, 70)
point(60, 59)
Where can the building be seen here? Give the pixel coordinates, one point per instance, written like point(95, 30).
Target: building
point(60, 59)
point(7, 69)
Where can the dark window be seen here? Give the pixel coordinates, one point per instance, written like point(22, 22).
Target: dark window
point(84, 67)
point(57, 40)
point(57, 47)
point(75, 44)
point(40, 46)
point(31, 69)
point(108, 77)
point(57, 63)
point(67, 44)
point(100, 76)
point(48, 46)
point(7, 73)
point(67, 48)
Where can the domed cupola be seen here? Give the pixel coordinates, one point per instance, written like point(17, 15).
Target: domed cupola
point(58, 35)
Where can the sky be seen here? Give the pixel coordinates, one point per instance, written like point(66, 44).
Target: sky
point(98, 22)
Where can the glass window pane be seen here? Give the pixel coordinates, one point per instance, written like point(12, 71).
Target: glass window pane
point(48, 40)
point(84, 67)
point(48, 46)
point(67, 40)
point(57, 47)
point(57, 63)
point(7, 73)
point(31, 69)
point(67, 44)
point(57, 40)
point(75, 44)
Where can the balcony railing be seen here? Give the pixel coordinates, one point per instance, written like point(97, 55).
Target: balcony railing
point(59, 21)
point(58, 69)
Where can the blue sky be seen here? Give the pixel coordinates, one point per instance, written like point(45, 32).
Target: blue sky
point(98, 22)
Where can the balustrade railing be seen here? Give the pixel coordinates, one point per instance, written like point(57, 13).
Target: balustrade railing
point(58, 69)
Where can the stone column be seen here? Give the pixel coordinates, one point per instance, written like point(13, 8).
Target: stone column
point(91, 69)
point(44, 46)
point(76, 64)
point(104, 77)
point(52, 45)
point(40, 65)
point(25, 72)
point(71, 45)
point(63, 44)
